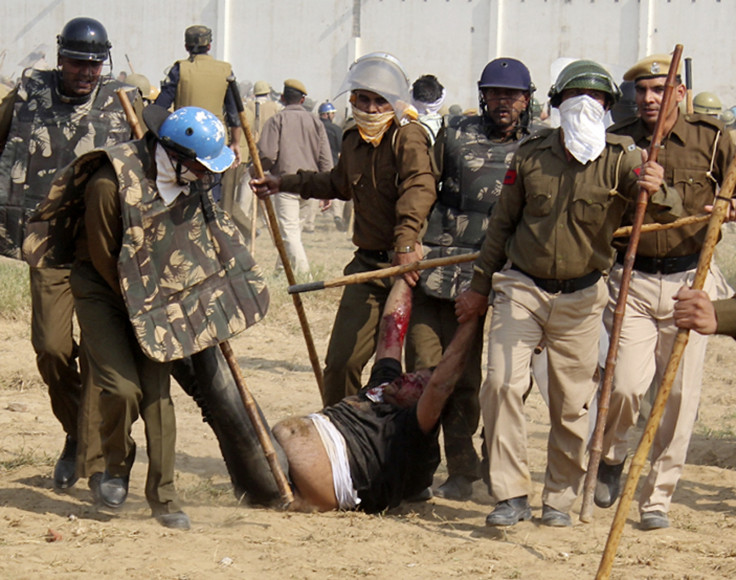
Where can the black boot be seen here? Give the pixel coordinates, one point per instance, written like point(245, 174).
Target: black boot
point(65, 472)
point(608, 486)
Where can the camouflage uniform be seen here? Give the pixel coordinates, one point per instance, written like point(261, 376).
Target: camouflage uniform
point(45, 131)
point(474, 163)
point(185, 282)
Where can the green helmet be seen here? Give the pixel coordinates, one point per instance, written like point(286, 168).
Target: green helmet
point(707, 104)
point(584, 74)
point(727, 117)
point(197, 36)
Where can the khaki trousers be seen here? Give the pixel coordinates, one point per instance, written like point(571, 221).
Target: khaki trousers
point(570, 324)
point(132, 384)
point(647, 337)
point(52, 312)
point(354, 333)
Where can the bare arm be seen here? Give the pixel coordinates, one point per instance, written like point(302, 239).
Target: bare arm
point(394, 321)
point(444, 377)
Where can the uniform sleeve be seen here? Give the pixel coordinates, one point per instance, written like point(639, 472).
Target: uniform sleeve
point(103, 224)
point(726, 316)
point(315, 185)
point(504, 219)
point(417, 185)
point(232, 117)
point(725, 154)
point(665, 205)
point(168, 88)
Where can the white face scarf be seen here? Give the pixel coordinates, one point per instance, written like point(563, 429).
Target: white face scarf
point(169, 187)
point(581, 120)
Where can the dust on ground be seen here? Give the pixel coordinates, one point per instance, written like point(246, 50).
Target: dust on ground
point(437, 539)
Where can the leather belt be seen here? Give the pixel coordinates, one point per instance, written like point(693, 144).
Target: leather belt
point(377, 255)
point(662, 265)
point(563, 286)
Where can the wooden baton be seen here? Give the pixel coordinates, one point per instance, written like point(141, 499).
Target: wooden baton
point(248, 402)
point(720, 211)
point(278, 240)
point(361, 277)
point(604, 398)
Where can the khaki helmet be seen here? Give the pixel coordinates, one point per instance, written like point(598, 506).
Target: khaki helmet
point(261, 88)
point(707, 104)
point(727, 117)
point(584, 74)
point(141, 82)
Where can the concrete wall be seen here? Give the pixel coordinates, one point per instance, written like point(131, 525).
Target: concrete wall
point(316, 40)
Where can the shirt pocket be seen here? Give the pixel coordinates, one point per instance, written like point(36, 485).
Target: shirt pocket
point(695, 187)
point(357, 183)
point(590, 204)
point(540, 192)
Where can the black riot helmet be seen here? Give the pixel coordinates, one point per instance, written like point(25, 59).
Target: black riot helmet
point(84, 39)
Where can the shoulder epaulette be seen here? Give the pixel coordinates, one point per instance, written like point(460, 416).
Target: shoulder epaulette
point(621, 124)
point(540, 133)
point(625, 141)
point(714, 122)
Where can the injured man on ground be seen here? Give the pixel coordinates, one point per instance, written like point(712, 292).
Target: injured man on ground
point(370, 451)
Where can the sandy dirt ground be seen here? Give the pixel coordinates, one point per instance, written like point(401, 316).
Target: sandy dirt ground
point(437, 539)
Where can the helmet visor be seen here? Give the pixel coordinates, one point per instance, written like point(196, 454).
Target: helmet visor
point(382, 74)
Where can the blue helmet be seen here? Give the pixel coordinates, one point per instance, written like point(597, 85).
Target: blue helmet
point(506, 73)
point(326, 107)
point(198, 134)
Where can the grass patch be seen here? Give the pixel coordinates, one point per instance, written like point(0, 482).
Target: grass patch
point(15, 293)
point(25, 457)
point(719, 433)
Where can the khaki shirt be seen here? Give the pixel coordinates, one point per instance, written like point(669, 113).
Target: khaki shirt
point(556, 217)
point(392, 186)
point(294, 139)
point(686, 155)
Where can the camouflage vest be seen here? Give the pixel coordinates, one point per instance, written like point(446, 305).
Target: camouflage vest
point(46, 134)
point(187, 279)
point(203, 83)
point(472, 177)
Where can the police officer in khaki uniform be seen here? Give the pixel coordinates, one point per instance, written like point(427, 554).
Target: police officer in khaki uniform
point(137, 285)
point(385, 169)
point(261, 108)
point(474, 153)
point(45, 122)
point(694, 156)
point(546, 249)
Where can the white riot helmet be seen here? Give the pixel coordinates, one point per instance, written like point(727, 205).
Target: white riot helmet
point(380, 73)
